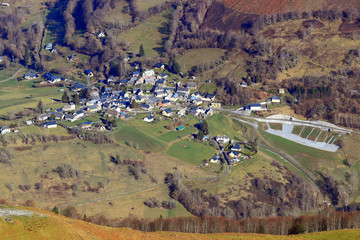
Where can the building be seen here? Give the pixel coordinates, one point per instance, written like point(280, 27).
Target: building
point(148, 119)
point(101, 34)
point(215, 105)
point(222, 139)
point(255, 107)
point(85, 125)
point(149, 73)
point(159, 66)
point(167, 112)
point(69, 107)
point(43, 117)
point(236, 147)
point(180, 128)
point(4, 130)
point(49, 46)
point(281, 91)
point(30, 76)
point(51, 124)
point(89, 73)
point(275, 99)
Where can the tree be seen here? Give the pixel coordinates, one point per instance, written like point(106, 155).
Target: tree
point(40, 106)
point(55, 210)
point(205, 127)
point(134, 105)
point(27, 57)
point(141, 51)
point(65, 98)
point(175, 67)
point(200, 135)
point(84, 93)
point(76, 98)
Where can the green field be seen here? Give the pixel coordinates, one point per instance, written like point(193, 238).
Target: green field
point(190, 151)
point(137, 139)
point(173, 135)
point(146, 4)
point(199, 56)
point(314, 134)
point(297, 130)
point(275, 126)
point(305, 133)
point(220, 124)
point(148, 34)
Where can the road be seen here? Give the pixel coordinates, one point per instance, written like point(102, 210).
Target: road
point(13, 76)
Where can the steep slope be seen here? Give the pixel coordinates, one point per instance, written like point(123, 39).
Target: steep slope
point(40, 224)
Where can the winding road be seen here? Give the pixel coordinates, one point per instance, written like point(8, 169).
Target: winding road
point(13, 76)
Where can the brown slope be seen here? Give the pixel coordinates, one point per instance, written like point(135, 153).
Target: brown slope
point(282, 6)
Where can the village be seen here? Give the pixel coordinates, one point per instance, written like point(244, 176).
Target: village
point(151, 92)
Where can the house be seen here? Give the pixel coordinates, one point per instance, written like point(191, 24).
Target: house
point(100, 34)
point(149, 73)
point(51, 124)
point(236, 147)
point(1, 58)
point(49, 46)
point(255, 107)
point(275, 99)
point(85, 125)
point(197, 101)
point(5, 4)
point(69, 107)
point(79, 114)
point(222, 139)
point(159, 66)
point(160, 82)
point(215, 159)
point(123, 81)
point(180, 128)
point(146, 106)
point(150, 80)
point(181, 112)
point(148, 118)
point(72, 58)
point(136, 74)
point(167, 112)
point(215, 105)
point(52, 78)
point(191, 85)
point(99, 128)
point(89, 73)
point(243, 84)
point(4, 130)
point(78, 87)
point(58, 115)
point(93, 108)
point(112, 113)
point(30, 76)
point(29, 122)
point(162, 75)
point(184, 90)
point(69, 117)
point(43, 117)
point(234, 154)
point(281, 91)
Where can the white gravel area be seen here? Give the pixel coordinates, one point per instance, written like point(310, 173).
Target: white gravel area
point(286, 132)
point(8, 212)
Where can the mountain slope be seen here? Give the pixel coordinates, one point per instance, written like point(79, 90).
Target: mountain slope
point(46, 225)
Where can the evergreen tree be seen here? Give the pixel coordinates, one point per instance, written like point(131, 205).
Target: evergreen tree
point(205, 127)
point(27, 57)
point(55, 210)
point(76, 98)
point(141, 51)
point(175, 67)
point(65, 98)
point(200, 135)
point(40, 106)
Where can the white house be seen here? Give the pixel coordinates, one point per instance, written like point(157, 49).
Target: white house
point(101, 34)
point(5, 4)
point(4, 130)
point(275, 99)
point(149, 73)
point(29, 122)
point(43, 117)
point(148, 118)
point(51, 124)
point(222, 139)
point(69, 107)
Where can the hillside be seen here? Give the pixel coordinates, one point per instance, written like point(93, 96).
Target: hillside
point(282, 6)
point(38, 224)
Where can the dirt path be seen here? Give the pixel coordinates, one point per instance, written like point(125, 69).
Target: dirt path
point(13, 76)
